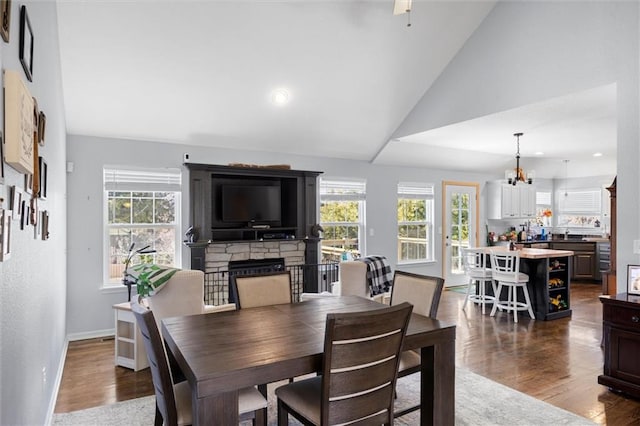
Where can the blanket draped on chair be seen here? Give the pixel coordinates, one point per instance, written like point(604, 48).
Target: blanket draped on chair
point(379, 276)
point(150, 278)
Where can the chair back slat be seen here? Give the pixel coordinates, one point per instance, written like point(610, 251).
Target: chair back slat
point(505, 264)
point(162, 382)
point(273, 288)
point(422, 291)
point(360, 365)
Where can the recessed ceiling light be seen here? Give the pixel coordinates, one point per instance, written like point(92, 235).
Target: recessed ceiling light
point(280, 97)
point(539, 153)
point(597, 154)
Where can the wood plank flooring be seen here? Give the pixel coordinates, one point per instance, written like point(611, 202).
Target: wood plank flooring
point(555, 361)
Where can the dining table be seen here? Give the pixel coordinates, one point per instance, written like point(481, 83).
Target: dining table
point(220, 353)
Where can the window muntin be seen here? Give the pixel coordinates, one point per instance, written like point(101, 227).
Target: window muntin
point(415, 222)
point(342, 204)
point(141, 207)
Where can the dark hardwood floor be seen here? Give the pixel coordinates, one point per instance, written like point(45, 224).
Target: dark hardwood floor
point(555, 361)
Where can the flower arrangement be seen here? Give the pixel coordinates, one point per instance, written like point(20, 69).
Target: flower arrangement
point(547, 213)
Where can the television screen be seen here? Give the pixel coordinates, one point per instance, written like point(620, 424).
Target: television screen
point(258, 204)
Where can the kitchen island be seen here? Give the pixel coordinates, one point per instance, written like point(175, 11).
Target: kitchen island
point(549, 274)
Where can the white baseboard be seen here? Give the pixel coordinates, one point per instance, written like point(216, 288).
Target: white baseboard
point(91, 335)
point(56, 384)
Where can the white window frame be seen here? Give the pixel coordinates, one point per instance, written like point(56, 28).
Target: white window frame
point(118, 178)
point(346, 189)
point(586, 202)
point(418, 191)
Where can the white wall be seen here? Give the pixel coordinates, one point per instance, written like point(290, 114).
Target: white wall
point(33, 280)
point(89, 310)
point(526, 52)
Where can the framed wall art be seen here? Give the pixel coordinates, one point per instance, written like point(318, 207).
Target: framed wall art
point(43, 172)
point(44, 220)
point(5, 229)
point(24, 214)
point(633, 279)
point(18, 124)
point(42, 122)
point(16, 201)
point(5, 15)
point(1, 159)
point(26, 43)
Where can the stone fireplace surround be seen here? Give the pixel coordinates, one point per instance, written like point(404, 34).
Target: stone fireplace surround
point(218, 255)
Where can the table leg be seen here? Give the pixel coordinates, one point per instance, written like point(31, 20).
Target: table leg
point(221, 409)
point(437, 384)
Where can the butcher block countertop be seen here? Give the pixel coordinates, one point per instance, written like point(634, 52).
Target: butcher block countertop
point(533, 253)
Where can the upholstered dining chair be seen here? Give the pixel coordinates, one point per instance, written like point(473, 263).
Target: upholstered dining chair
point(505, 268)
point(173, 401)
point(253, 290)
point(183, 294)
point(359, 371)
point(424, 293)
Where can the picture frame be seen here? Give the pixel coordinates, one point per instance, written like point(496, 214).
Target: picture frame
point(26, 43)
point(15, 202)
point(18, 124)
point(42, 122)
point(24, 214)
point(1, 159)
point(633, 279)
point(43, 169)
point(44, 221)
point(28, 183)
point(5, 229)
point(5, 14)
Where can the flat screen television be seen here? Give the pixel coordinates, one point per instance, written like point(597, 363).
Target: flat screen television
point(251, 204)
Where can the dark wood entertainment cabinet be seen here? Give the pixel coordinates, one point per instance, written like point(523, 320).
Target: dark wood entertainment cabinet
point(621, 339)
point(298, 194)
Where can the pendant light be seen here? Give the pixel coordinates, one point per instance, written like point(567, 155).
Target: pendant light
point(516, 175)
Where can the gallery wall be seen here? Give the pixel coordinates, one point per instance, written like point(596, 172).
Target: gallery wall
point(33, 279)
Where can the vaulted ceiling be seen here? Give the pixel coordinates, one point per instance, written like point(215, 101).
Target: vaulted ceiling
point(204, 73)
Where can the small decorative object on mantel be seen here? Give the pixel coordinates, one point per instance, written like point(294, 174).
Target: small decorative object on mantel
point(26, 43)
point(5, 15)
point(256, 166)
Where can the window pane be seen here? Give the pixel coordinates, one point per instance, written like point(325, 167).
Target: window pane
point(142, 210)
point(339, 211)
point(120, 210)
point(165, 207)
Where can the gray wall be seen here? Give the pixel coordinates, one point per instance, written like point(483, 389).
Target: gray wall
point(526, 52)
point(89, 310)
point(33, 281)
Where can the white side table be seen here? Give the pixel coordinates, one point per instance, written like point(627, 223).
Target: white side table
point(129, 348)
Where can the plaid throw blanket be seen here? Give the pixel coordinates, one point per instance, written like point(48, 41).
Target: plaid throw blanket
point(149, 278)
point(379, 274)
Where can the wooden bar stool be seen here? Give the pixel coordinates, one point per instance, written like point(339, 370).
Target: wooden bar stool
point(477, 269)
point(505, 268)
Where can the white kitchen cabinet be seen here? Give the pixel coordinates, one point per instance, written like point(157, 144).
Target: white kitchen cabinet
point(506, 201)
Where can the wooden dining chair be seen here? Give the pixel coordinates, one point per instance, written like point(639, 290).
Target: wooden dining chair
point(253, 290)
point(359, 371)
point(173, 401)
point(423, 291)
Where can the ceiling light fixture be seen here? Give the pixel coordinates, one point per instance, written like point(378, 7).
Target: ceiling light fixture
point(280, 97)
point(597, 154)
point(516, 175)
point(403, 6)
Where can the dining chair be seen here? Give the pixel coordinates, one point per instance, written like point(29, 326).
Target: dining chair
point(477, 267)
point(182, 294)
point(424, 293)
point(253, 290)
point(173, 400)
point(505, 268)
point(359, 371)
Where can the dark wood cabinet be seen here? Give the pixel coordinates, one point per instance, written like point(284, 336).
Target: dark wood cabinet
point(549, 286)
point(584, 262)
point(621, 339)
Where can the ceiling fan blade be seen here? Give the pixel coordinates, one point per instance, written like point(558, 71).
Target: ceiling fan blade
point(401, 6)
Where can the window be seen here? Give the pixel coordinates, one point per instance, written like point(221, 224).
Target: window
point(579, 208)
point(415, 222)
point(543, 208)
point(142, 207)
point(342, 204)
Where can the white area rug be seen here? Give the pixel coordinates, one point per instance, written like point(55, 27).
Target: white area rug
point(479, 402)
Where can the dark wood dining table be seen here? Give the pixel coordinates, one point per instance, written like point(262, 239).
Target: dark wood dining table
point(223, 352)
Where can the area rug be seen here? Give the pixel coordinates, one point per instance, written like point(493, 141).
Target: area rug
point(479, 402)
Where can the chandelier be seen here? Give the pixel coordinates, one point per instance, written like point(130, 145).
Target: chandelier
point(516, 175)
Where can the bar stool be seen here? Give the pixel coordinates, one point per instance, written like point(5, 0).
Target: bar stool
point(476, 268)
point(505, 268)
